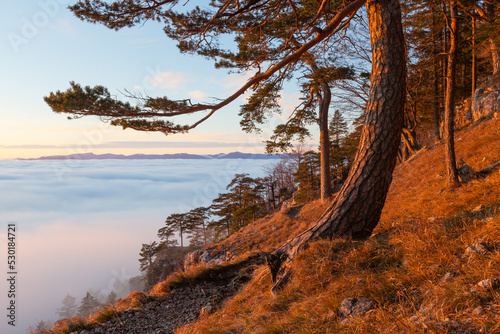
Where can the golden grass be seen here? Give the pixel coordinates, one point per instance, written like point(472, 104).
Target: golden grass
point(421, 240)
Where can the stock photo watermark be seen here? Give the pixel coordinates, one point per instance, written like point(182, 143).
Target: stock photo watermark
point(31, 25)
point(11, 273)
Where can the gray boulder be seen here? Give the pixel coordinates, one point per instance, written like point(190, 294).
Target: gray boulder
point(356, 307)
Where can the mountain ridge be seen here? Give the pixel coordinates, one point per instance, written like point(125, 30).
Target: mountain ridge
point(140, 156)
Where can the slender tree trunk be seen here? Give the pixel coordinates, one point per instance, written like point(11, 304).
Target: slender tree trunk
point(449, 118)
point(204, 234)
point(356, 210)
point(435, 63)
point(324, 96)
point(473, 69)
point(324, 142)
point(180, 234)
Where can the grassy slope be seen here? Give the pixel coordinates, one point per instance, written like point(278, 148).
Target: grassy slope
point(423, 234)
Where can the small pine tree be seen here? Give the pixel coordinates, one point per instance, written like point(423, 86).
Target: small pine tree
point(147, 255)
point(88, 305)
point(68, 309)
point(337, 129)
point(40, 326)
point(111, 298)
point(338, 132)
point(307, 176)
point(167, 236)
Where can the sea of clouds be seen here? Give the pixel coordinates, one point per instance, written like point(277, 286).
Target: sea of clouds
point(81, 224)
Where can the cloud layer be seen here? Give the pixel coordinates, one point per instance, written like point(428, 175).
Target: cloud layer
point(81, 225)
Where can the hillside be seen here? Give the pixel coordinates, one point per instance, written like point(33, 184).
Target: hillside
point(432, 265)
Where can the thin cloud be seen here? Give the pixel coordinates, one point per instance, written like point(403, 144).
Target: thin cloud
point(197, 94)
point(167, 80)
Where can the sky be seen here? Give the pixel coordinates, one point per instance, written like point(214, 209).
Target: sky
point(44, 47)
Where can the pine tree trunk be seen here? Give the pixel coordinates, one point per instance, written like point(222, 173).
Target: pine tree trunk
point(474, 58)
point(324, 96)
point(324, 105)
point(180, 234)
point(435, 61)
point(356, 210)
point(449, 117)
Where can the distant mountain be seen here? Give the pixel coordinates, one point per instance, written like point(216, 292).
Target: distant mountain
point(92, 156)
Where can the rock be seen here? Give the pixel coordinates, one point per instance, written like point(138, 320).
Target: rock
point(85, 332)
point(490, 283)
point(192, 259)
point(449, 276)
point(208, 256)
point(485, 102)
point(206, 310)
point(478, 311)
point(355, 307)
point(287, 204)
point(465, 172)
point(478, 208)
point(477, 248)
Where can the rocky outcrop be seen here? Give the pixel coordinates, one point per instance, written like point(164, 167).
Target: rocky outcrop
point(486, 100)
point(161, 268)
point(209, 256)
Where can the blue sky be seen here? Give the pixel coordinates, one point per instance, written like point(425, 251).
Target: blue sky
point(45, 47)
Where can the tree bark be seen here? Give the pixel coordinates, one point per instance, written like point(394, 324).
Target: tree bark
point(474, 58)
point(356, 210)
point(435, 63)
point(324, 142)
point(324, 96)
point(449, 117)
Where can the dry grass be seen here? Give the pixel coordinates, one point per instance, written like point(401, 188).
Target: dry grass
point(414, 267)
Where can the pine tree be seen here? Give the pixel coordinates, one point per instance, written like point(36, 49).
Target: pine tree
point(88, 305)
point(338, 132)
point(307, 177)
point(147, 255)
point(178, 222)
point(198, 222)
point(111, 298)
point(241, 205)
point(167, 236)
point(41, 326)
point(68, 309)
